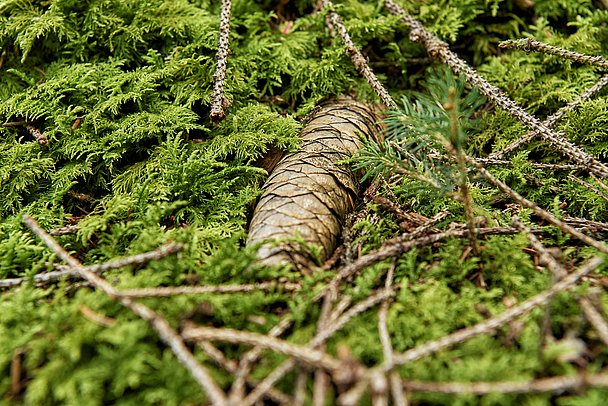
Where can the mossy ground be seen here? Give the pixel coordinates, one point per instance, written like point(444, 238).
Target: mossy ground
point(121, 91)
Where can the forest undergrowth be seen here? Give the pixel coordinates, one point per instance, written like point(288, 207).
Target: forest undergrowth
point(135, 138)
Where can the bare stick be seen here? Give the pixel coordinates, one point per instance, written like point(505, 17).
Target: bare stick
point(300, 387)
point(595, 318)
point(192, 332)
point(440, 50)
point(192, 290)
point(248, 359)
point(553, 384)
point(528, 45)
point(587, 224)
point(321, 380)
point(487, 326)
point(387, 347)
point(218, 98)
point(162, 327)
point(591, 313)
point(588, 186)
point(493, 323)
point(397, 246)
point(554, 118)
point(161, 252)
point(231, 366)
point(490, 161)
point(280, 371)
point(539, 211)
point(358, 59)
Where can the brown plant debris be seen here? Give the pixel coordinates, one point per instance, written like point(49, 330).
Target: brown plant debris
point(218, 99)
point(440, 50)
point(308, 195)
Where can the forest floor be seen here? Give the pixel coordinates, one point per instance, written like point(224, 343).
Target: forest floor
point(135, 140)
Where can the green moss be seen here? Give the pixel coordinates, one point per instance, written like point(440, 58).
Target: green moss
point(121, 90)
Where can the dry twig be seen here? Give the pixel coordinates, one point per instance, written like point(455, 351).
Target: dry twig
point(247, 361)
point(554, 118)
point(162, 327)
point(538, 210)
point(439, 49)
point(553, 384)
point(355, 55)
point(218, 99)
point(68, 271)
point(493, 323)
point(192, 290)
point(280, 371)
point(193, 332)
point(231, 366)
point(387, 348)
point(529, 45)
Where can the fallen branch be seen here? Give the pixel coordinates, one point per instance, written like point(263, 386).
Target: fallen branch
point(553, 384)
point(193, 332)
point(439, 49)
point(280, 371)
point(529, 45)
point(68, 271)
point(352, 396)
point(538, 210)
point(193, 290)
point(493, 323)
point(231, 366)
point(554, 118)
point(355, 55)
point(218, 99)
point(200, 374)
point(247, 361)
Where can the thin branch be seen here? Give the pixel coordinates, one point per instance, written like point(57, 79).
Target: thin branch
point(300, 387)
point(321, 380)
point(192, 290)
point(530, 45)
point(490, 161)
point(68, 271)
point(193, 332)
point(493, 323)
point(352, 396)
point(247, 361)
point(231, 366)
point(554, 384)
point(587, 224)
point(595, 318)
point(554, 118)
point(439, 49)
point(588, 186)
point(280, 371)
point(218, 99)
point(387, 348)
point(162, 327)
point(538, 210)
point(355, 55)
point(398, 246)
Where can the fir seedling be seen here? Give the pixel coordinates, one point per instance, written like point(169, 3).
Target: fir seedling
point(421, 133)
